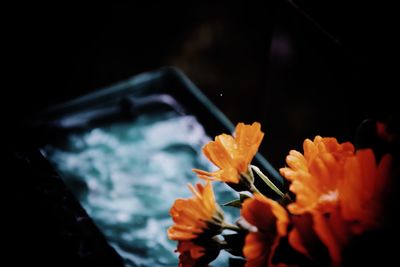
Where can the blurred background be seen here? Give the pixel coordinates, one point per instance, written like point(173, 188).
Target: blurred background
point(299, 67)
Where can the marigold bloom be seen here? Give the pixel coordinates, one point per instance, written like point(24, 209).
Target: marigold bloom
point(190, 253)
point(363, 189)
point(315, 177)
point(232, 154)
point(384, 133)
point(193, 254)
point(315, 174)
point(271, 220)
point(305, 240)
point(197, 215)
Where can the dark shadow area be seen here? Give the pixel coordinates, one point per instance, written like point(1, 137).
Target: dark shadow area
point(301, 68)
point(298, 67)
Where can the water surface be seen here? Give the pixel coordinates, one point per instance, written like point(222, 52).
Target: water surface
point(127, 176)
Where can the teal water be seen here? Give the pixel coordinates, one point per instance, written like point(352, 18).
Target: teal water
point(127, 176)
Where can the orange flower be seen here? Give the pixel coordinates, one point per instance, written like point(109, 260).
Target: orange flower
point(232, 154)
point(315, 177)
point(197, 215)
point(363, 189)
point(331, 231)
point(315, 174)
point(305, 240)
point(271, 221)
point(190, 253)
point(384, 133)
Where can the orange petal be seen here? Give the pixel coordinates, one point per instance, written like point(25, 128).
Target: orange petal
point(271, 221)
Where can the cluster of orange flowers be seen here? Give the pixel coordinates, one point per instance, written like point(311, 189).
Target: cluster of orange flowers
point(336, 193)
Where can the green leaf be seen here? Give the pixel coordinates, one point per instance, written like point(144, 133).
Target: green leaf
point(267, 181)
point(237, 203)
point(234, 203)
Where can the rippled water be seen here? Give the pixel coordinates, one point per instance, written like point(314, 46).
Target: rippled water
point(127, 175)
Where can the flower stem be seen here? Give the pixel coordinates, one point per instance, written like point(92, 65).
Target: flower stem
point(267, 181)
point(254, 189)
point(286, 199)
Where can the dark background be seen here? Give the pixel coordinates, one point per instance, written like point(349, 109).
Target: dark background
point(301, 67)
